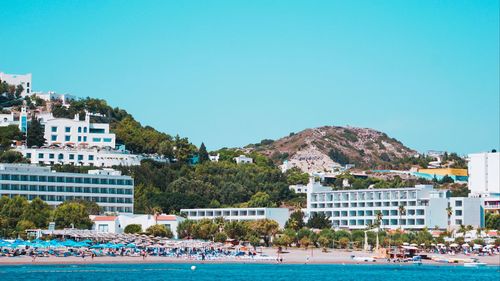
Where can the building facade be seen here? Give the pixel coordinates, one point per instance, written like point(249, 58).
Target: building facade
point(242, 159)
point(280, 215)
point(112, 191)
point(484, 179)
point(80, 157)
point(63, 131)
point(117, 224)
point(17, 79)
point(423, 206)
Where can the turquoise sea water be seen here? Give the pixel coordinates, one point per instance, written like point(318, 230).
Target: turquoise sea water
point(259, 272)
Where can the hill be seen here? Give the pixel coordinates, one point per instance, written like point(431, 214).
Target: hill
point(319, 149)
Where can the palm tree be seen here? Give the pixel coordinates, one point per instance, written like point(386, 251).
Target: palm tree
point(449, 212)
point(154, 211)
point(378, 218)
point(402, 211)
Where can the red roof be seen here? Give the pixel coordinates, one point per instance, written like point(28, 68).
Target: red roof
point(104, 218)
point(166, 218)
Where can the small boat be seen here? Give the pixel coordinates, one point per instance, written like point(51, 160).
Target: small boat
point(475, 264)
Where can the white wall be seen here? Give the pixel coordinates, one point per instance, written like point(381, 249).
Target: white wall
point(484, 174)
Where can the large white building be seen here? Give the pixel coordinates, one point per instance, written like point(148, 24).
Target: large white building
point(96, 157)
point(280, 215)
point(424, 207)
point(117, 224)
point(112, 191)
point(484, 178)
point(63, 131)
point(16, 79)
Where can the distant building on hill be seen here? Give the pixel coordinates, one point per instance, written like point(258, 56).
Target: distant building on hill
point(242, 159)
point(17, 79)
point(484, 179)
point(74, 132)
point(214, 158)
point(53, 96)
point(439, 173)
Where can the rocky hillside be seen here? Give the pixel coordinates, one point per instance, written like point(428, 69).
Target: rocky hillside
point(319, 149)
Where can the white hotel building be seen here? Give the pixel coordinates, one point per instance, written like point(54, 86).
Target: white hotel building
point(18, 79)
point(484, 179)
point(79, 156)
point(63, 131)
point(280, 215)
point(424, 207)
point(108, 188)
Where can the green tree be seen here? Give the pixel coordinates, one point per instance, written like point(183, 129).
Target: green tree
point(70, 214)
point(202, 153)
point(133, 228)
point(159, 230)
point(296, 176)
point(401, 212)
point(296, 220)
point(319, 220)
point(265, 228)
point(220, 237)
point(186, 229)
point(35, 133)
point(38, 212)
point(11, 211)
point(261, 199)
point(235, 229)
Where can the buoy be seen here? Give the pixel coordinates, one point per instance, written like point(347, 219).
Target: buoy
point(193, 267)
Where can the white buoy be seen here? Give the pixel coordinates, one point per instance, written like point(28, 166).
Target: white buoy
point(193, 267)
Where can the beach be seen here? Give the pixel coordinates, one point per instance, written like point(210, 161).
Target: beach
point(289, 256)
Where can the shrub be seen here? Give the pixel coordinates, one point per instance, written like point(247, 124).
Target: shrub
point(133, 228)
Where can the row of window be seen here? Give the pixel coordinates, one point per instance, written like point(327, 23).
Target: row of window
point(60, 156)
point(77, 189)
point(67, 138)
point(224, 213)
point(371, 195)
point(369, 213)
point(53, 129)
point(368, 204)
point(66, 179)
point(60, 198)
point(393, 222)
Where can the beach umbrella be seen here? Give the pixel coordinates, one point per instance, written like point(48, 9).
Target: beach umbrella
point(453, 245)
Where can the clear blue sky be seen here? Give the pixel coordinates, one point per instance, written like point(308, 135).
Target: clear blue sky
point(234, 72)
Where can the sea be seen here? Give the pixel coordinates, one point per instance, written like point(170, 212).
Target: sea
point(257, 272)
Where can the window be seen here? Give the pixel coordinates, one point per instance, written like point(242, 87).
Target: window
point(458, 203)
point(67, 129)
point(53, 129)
point(67, 138)
point(51, 155)
point(106, 140)
point(91, 157)
point(85, 139)
point(96, 139)
point(79, 129)
point(84, 129)
point(80, 157)
point(458, 212)
point(40, 155)
point(71, 157)
point(79, 138)
point(28, 155)
point(53, 137)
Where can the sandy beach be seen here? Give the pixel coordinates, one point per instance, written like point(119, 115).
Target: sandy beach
point(291, 256)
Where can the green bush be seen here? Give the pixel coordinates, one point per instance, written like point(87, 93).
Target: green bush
point(133, 228)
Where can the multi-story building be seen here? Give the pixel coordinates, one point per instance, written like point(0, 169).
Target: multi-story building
point(16, 79)
point(108, 188)
point(52, 96)
point(74, 132)
point(280, 215)
point(242, 159)
point(484, 179)
point(298, 188)
point(80, 156)
point(423, 206)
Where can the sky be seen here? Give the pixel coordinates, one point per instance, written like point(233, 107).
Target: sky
point(230, 73)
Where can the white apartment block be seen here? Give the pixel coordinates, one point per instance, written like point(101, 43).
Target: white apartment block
point(80, 156)
point(52, 96)
point(117, 224)
point(16, 79)
point(7, 120)
point(424, 207)
point(484, 179)
point(63, 131)
point(242, 159)
point(279, 215)
point(108, 188)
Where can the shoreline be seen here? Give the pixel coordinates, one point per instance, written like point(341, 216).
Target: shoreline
point(292, 256)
